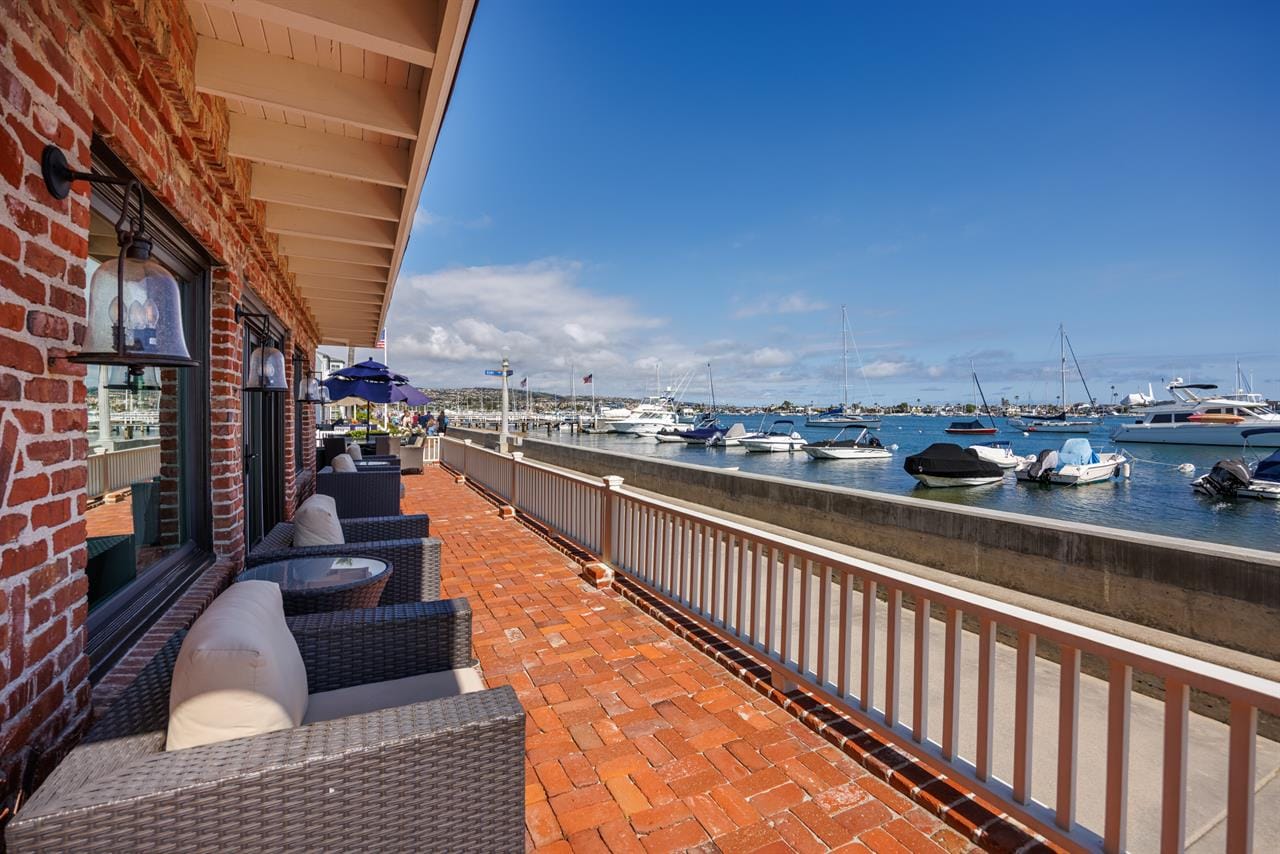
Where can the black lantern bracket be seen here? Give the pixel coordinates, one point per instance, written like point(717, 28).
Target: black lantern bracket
point(134, 244)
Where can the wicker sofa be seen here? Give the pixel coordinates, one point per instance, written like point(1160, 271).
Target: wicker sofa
point(402, 541)
point(445, 774)
point(362, 493)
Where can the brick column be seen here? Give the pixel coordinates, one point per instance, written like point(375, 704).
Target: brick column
point(226, 442)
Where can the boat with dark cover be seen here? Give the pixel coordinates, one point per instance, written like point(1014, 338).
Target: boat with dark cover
point(945, 464)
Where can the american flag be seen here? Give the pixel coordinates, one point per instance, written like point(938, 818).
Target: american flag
point(587, 379)
point(382, 340)
point(524, 383)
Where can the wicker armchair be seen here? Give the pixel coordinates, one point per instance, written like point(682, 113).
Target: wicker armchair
point(412, 454)
point(402, 541)
point(362, 493)
point(445, 774)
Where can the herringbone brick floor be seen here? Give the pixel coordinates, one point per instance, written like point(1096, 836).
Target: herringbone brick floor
point(637, 741)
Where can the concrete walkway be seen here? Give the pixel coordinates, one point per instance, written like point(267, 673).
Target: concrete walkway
point(637, 741)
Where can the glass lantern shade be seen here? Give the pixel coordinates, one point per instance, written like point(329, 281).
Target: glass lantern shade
point(309, 389)
point(151, 333)
point(325, 397)
point(134, 378)
point(266, 370)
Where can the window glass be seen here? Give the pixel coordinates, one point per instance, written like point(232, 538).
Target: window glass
point(136, 438)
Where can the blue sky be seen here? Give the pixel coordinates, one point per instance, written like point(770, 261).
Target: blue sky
point(622, 183)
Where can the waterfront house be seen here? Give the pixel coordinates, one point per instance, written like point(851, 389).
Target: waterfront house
point(689, 679)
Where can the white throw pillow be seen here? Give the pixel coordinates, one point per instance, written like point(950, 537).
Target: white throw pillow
point(343, 462)
point(316, 523)
point(353, 451)
point(239, 672)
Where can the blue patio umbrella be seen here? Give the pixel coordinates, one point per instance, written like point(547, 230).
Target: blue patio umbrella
point(376, 383)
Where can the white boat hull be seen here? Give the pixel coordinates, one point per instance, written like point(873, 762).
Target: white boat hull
point(1067, 427)
point(1072, 475)
point(1262, 489)
point(871, 422)
point(772, 445)
point(1188, 433)
point(1003, 457)
point(669, 438)
point(819, 452)
point(935, 481)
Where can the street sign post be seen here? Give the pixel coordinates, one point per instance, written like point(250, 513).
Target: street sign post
point(503, 427)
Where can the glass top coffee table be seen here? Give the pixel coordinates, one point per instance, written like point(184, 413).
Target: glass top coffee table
point(310, 585)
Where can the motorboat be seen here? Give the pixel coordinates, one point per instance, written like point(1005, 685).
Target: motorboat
point(973, 428)
point(998, 452)
point(864, 446)
point(732, 437)
point(842, 416)
point(944, 464)
point(650, 417)
point(1075, 464)
point(1235, 478)
point(669, 435)
point(1197, 416)
point(781, 437)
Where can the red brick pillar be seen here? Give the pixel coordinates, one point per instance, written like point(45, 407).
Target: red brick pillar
point(226, 443)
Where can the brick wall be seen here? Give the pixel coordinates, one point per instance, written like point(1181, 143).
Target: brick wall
point(125, 71)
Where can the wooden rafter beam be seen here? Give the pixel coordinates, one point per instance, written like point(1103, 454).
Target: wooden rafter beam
point(328, 250)
point(323, 153)
point(275, 81)
point(322, 193)
point(334, 284)
point(340, 228)
point(338, 270)
point(403, 29)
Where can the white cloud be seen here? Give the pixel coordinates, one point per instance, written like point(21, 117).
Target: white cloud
point(793, 303)
point(768, 357)
point(423, 218)
point(882, 368)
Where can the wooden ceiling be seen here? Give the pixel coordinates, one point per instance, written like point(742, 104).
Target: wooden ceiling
point(337, 104)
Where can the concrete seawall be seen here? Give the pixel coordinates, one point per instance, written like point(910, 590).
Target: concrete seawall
point(1214, 593)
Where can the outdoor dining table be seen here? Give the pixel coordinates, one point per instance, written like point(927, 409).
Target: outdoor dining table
point(311, 585)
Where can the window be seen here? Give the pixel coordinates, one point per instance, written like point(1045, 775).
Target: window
point(148, 522)
point(1161, 419)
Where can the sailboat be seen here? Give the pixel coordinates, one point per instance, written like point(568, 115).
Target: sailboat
point(1060, 423)
point(841, 416)
point(974, 427)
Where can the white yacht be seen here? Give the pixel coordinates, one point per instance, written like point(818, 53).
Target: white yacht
point(1197, 417)
point(781, 437)
point(650, 417)
point(1077, 463)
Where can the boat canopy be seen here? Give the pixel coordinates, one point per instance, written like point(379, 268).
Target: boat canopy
point(975, 424)
point(943, 459)
point(1268, 469)
point(1076, 452)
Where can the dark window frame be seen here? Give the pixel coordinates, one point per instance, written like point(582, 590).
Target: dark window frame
point(114, 626)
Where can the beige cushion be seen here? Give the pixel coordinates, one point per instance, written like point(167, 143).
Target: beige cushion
point(359, 699)
point(353, 451)
point(343, 462)
point(316, 523)
point(239, 672)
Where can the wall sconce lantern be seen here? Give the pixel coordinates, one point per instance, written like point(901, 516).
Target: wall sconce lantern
point(309, 388)
point(135, 305)
point(133, 378)
point(266, 363)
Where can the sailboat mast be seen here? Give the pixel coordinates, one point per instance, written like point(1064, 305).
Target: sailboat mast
point(712, 381)
point(573, 393)
point(1062, 350)
point(844, 352)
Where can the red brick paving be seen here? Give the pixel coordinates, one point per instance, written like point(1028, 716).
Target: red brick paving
point(635, 739)
point(107, 518)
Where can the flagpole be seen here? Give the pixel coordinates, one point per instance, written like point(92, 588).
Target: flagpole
point(594, 415)
point(386, 356)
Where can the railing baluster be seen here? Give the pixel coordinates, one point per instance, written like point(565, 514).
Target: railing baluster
point(718, 586)
point(1120, 681)
point(759, 554)
point(893, 646)
point(986, 695)
point(951, 684)
point(740, 573)
point(1173, 791)
point(920, 673)
point(1240, 772)
point(868, 686)
point(771, 602)
point(844, 679)
point(785, 622)
point(824, 625)
point(1068, 733)
point(1024, 717)
point(806, 622)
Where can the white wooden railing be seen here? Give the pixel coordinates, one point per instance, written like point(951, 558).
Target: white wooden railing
point(117, 469)
point(431, 450)
point(801, 609)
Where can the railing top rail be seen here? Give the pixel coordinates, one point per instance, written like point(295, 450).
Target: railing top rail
point(1232, 684)
point(594, 482)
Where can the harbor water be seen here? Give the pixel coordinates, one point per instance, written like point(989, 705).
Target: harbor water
point(1156, 497)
